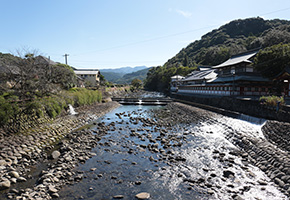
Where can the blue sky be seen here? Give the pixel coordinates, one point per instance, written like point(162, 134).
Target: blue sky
point(118, 33)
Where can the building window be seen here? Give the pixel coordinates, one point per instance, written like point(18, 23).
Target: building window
point(249, 89)
point(263, 89)
point(256, 89)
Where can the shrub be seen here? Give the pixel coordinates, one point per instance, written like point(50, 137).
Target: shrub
point(272, 100)
point(82, 96)
point(8, 109)
point(53, 105)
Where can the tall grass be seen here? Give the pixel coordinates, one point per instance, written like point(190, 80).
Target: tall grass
point(52, 105)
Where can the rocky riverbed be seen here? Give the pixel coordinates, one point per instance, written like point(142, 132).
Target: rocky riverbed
point(21, 154)
point(186, 153)
point(178, 152)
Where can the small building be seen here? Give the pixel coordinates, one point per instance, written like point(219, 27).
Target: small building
point(283, 80)
point(175, 82)
point(90, 77)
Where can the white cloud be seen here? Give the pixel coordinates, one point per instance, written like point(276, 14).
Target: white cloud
point(185, 14)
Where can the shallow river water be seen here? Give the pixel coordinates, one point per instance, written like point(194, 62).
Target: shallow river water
point(123, 164)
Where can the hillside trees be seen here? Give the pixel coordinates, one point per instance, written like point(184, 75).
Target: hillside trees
point(272, 60)
point(136, 83)
point(158, 78)
point(31, 75)
point(63, 75)
point(220, 44)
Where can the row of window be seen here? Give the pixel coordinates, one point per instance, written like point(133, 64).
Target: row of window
point(251, 89)
point(88, 75)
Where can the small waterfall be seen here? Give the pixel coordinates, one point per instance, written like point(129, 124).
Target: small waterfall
point(254, 120)
point(72, 110)
point(140, 101)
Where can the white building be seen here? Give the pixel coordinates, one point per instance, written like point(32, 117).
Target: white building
point(90, 77)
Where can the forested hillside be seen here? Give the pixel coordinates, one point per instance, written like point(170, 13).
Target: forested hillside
point(119, 75)
point(127, 78)
point(218, 45)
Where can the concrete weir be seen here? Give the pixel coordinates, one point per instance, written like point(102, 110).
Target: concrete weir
point(143, 101)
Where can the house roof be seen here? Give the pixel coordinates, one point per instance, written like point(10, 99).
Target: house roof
point(283, 74)
point(201, 75)
point(236, 60)
point(87, 72)
point(44, 60)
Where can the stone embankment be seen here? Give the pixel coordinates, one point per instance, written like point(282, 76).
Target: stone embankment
point(270, 154)
point(18, 152)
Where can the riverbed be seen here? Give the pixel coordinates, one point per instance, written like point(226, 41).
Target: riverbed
point(172, 153)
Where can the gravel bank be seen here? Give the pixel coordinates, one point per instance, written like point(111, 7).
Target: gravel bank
point(18, 152)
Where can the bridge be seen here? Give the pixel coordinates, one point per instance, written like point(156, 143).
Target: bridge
point(142, 101)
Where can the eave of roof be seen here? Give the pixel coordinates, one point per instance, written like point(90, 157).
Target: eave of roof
point(236, 60)
point(87, 72)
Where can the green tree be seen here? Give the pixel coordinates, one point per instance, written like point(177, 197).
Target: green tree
point(63, 75)
point(272, 60)
point(136, 83)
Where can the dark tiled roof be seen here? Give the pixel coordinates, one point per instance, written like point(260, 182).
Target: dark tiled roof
point(200, 75)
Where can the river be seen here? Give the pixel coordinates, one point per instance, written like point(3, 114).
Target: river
point(197, 160)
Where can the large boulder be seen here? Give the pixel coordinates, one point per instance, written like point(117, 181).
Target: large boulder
point(5, 184)
point(55, 154)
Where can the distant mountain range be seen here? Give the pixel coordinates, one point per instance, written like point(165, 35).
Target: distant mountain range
point(125, 75)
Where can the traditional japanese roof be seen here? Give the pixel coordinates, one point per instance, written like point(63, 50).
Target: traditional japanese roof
point(204, 67)
point(283, 74)
point(201, 75)
point(287, 69)
point(237, 59)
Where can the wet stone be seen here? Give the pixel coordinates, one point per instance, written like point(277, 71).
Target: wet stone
point(118, 196)
point(55, 154)
point(4, 184)
point(228, 174)
point(143, 195)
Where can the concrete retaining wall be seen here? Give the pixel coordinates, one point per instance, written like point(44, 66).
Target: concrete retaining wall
point(245, 106)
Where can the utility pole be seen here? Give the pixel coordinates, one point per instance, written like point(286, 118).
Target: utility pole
point(65, 56)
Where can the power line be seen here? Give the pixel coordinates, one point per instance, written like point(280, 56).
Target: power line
point(144, 41)
point(80, 61)
point(161, 37)
point(172, 35)
point(275, 11)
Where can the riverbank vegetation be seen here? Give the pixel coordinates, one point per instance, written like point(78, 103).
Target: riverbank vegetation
point(33, 87)
point(272, 101)
point(13, 110)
